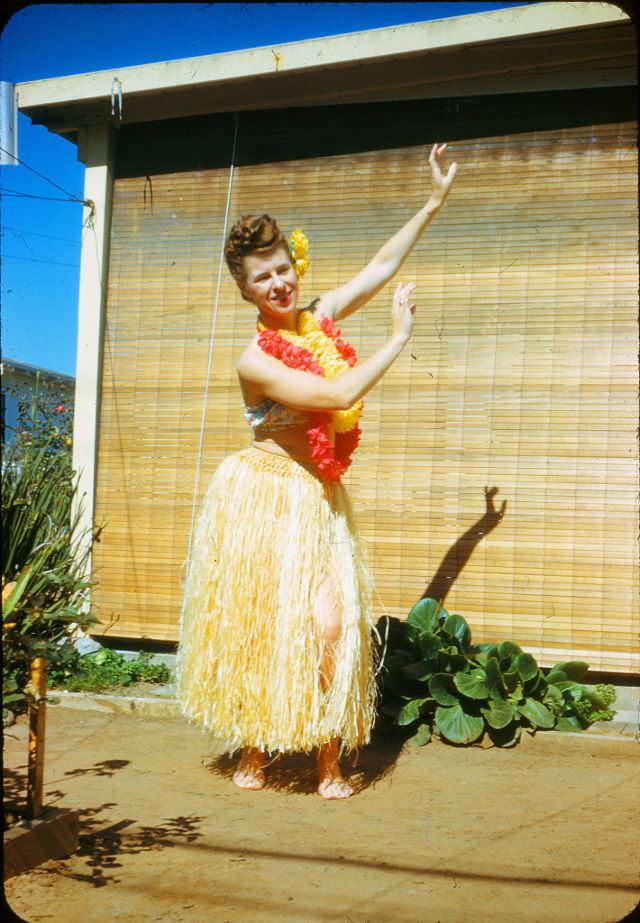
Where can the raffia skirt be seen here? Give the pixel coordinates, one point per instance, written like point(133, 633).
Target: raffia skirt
point(268, 535)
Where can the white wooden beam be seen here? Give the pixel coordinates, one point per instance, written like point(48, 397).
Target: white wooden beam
point(97, 150)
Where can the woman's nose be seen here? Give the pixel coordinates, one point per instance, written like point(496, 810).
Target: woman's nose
point(277, 280)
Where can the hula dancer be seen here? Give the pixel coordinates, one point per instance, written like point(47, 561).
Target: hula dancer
point(275, 651)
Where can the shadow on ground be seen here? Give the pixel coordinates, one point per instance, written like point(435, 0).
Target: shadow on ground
point(295, 773)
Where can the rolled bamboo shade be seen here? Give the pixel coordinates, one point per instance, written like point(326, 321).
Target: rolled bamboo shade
point(521, 375)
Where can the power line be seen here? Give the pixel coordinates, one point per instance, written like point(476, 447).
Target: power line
point(68, 240)
point(30, 195)
point(31, 259)
point(41, 175)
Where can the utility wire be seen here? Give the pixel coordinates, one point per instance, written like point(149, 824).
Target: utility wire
point(30, 195)
point(31, 259)
point(41, 175)
point(68, 240)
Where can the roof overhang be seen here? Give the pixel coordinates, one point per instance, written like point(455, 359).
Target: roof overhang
point(542, 46)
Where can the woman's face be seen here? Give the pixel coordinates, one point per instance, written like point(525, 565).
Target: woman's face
point(270, 282)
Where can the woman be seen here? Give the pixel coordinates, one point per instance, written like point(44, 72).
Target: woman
point(275, 648)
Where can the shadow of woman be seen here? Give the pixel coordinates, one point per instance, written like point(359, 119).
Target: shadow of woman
point(460, 552)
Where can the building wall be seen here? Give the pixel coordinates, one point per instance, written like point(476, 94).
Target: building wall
point(521, 374)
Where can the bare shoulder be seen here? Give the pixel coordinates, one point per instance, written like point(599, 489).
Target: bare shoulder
point(250, 365)
point(249, 368)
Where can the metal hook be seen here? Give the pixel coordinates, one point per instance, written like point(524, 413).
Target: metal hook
point(113, 100)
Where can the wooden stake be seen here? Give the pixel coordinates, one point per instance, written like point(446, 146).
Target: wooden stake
point(36, 737)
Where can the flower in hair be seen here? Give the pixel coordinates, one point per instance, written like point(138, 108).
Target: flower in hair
point(299, 245)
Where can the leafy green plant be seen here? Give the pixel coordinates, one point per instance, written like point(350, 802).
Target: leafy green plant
point(44, 556)
point(105, 670)
point(436, 680)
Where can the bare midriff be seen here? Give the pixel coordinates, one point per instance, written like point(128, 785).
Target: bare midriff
point(292, 442)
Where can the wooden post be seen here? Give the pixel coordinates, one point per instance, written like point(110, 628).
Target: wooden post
point(36, 737)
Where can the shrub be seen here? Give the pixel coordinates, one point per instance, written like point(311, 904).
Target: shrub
point(106, 669)
point(44, 557)
point(435, 680)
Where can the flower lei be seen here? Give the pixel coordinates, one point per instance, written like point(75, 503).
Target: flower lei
point(317, 347)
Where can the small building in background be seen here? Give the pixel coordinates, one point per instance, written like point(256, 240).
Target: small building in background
point(522, 372)
point(22, 381)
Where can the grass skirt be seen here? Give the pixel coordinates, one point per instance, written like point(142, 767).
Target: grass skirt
point(248, 666)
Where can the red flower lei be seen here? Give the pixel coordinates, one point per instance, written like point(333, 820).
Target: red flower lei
point(331, 459)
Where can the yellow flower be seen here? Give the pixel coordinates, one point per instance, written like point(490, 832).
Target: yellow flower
point(299, 242)
point(299, 246)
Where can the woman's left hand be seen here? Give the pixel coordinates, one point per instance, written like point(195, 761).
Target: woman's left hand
point(441, 183)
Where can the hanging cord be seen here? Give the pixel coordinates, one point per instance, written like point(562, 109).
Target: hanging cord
point(213, 336)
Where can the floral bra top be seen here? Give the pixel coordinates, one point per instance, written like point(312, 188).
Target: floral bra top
point(269, 416)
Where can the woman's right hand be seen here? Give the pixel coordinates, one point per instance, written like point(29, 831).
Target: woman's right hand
point(402, 311)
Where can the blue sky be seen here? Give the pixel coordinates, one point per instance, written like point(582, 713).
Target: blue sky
point(40, 243)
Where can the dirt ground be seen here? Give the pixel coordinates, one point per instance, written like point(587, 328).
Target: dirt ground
point(543, 833)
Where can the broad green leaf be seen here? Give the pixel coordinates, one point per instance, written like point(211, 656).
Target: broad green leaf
point(507, 736)
point(537, 713)
point(526, 666)
point(487, 650)
point(421, 737)
point(492, 672)
point(398, 658)
point(553, 698)
point(473, 684)
point(508, 649)
point(426, 614)
point(499, 713)
point(411, 711)
point(575, 691)
point(428, 643)
point(457, 627)
point(573, 669)
point(536, 684)
point(512, 682)
point(419, 670)
point(556, 676)
point(458, 727)
point(452, 662)
point(442, 688)
point(568, 723)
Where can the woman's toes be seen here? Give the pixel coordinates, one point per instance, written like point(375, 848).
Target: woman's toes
point(335, 788)
point(249, 778)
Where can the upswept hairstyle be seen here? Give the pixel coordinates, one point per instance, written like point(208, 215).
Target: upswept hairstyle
point(251, 234)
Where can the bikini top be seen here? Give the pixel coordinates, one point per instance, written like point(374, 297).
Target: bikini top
point(270, 416)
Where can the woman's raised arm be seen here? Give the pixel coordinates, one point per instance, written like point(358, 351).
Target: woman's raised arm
point(303, 391)
point(362, 287)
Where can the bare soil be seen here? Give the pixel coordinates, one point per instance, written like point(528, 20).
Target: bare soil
point(543, 833)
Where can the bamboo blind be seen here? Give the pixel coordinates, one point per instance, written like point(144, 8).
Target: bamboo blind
point(521, 375)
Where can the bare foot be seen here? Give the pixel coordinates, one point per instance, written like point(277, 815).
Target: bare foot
point(250, 772)
point(331, 785)
point(331, 788)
